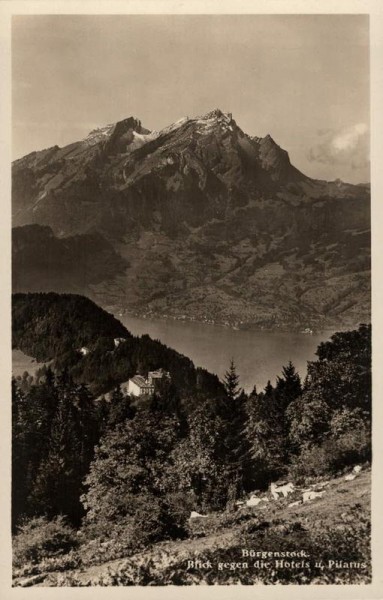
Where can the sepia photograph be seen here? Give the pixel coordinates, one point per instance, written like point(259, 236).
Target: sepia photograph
point(191, 300)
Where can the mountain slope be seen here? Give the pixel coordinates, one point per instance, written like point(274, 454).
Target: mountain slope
point(43, 262)
point(213, 224)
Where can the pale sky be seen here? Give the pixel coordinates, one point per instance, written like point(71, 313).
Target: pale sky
point(304, 79)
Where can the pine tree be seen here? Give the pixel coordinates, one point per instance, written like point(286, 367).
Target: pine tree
point(102, 410)
point(240, 465)
point(269, 390)
point(19, 455)
point(67, 447)
point(56, 487)
point(288, 386)
point(266, 435)
point(253, 393)
point(231, 382)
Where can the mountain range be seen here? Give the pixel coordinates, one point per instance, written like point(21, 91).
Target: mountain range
point(198, 221)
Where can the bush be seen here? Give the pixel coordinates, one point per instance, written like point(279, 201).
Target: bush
point(353, 446)
point(352, 432)
point(153, 521)
point(39, 538)
point(100, 550)
point(313, 461)
point(180, 504)
point(344, 420)
point(65, 562)
point(332, 456)
point(309, 420)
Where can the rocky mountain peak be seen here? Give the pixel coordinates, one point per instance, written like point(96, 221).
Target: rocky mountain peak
point(274, 158)
point(217, 113)
point(126, 135)
point(128, 124)
point(268, 140)
point(216, 116)
point(200, 191)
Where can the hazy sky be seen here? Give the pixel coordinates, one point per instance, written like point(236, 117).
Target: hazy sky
point(303, 79)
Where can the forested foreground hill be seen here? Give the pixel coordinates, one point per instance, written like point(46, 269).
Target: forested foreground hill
point(94, 481)
point(54, 327)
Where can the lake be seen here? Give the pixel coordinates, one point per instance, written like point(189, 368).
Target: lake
point(258, 355)
point(21, 363)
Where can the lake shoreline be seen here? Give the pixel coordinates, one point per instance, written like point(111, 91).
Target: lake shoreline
point(252, 327)
point(259, 355)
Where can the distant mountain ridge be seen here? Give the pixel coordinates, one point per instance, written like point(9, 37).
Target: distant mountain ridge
point(206, 222)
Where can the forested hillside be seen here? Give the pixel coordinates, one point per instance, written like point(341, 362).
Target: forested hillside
point(55, 327)
point(42, 262)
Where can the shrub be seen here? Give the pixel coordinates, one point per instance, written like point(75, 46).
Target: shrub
point(333, 455)
point(352, 432)
point(344, 420)
point(65, 562)
point(153, 521)
point(39, 538)
point(314, 461)
point(309, 419)
point(180, 504)
point(353, 446)
point(101, 550)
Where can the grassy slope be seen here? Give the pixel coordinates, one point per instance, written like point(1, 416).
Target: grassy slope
point(221, 536)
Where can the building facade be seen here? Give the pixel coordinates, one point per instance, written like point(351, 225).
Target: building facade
point(139, 386)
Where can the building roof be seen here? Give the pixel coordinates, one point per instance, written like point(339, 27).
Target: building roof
point(158, 373)
point(140, 381)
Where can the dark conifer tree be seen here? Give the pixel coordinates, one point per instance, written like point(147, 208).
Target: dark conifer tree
point(253, 393)
point(269, 390)
point(102, 410)
point(54, 490)
point(66, 450)
point(49, 377)
point(232, 410)
point(288, 386)
point(120, 408)
point(231, 382)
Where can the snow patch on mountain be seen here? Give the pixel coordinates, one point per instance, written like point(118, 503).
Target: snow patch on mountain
point(98, 134)
point(170, 128)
